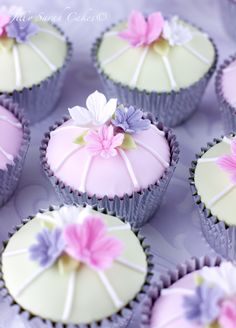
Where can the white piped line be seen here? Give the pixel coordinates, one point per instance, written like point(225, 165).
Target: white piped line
point(46, 218)
point(16, 59)
point(130, 265)
point(120, 227)
point(197, 54)
point(169, 72)
point(15, 253)
point(153, 152)
point(64, 128)
point(115, 56)
point(111, 33)
point(42, 56)
point(115, 299)
point(208, 160)
point(137, 72)
point(161, 133)
point(227, 140)
point(70, 296)
point(230, 69)
point(216, 198)
point(129, 169)
point(67, 156)
point(7, 155)
point(85, 174)
point(177, 291)
point(52, 33)
point(6, 119)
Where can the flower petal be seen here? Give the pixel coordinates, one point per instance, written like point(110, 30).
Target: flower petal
point(155, 27)
point(95, 104)
point(108, 110)
point(80, 115)
point(227, 163)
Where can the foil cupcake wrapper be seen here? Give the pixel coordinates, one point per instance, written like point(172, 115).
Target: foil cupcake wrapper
point(171, 108)
point(220, 236)
point(137, 208)
point(228, 112)
point(228, 14)
point(169, 279)
point(40, 100)
point(10, 176)
point(118, 320)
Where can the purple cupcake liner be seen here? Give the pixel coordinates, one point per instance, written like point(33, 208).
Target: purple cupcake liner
point(228, 112)
point(138, 208)
point(10, 176)
point(169, 279)
point(220, 236)
point(40, 100)
point(118, 320)
point(228, 14)
point(171, 108)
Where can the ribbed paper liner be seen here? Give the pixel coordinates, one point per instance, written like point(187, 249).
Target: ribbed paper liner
point(228, 14)
point(137, 208)
point(40, 100)
point(169, 279)
point(171, 108)
point(9, 177)
point(228, 112)
point(117, 320)
point(220, 236)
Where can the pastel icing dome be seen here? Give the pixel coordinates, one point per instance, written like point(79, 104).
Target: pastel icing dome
point(228, 81)
point(11, 137)
point(74, 265)
point(155, 54)
point(215, 180)
point(106, 150)
point(30, 52)
point(204, 298)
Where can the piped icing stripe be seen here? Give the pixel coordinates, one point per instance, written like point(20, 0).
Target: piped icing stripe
point(130, 265)
point(6, 119)
point(216, 198)
point(129, 168)
point(70, 296)
point(153, 152)
point(197, 54)
point(227, 140)
point(85, 174)
point(6, 154)
point(169, 72)
point(52, 67)
point(46, 218)
point(52, 33)
point(111, 33)
point(15, 253)
point(160, 132)
point(17, 66)
point(177, 291)
point(138, 69)
point(67, 156)
point(208, 160)
point(230, 69)
point(63, 128)
point(116, 55)
point(120, 228)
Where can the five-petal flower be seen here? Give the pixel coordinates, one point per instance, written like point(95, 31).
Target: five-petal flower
point(21, 30)
point(176, 33)
point(228, 162)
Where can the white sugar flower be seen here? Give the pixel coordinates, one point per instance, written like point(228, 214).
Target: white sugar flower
point(97, 113)
point(176, 33)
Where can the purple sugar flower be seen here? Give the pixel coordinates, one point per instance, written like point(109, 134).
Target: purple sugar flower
point(203, 307)
point(50, 245)
point(130, 120)
point(21, 30)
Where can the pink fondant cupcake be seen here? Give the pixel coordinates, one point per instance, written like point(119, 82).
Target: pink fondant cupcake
point(14, 142)
point(225, 89)
point(111, 156)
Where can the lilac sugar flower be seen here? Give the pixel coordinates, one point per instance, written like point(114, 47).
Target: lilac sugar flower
point(130, 120)
point(50, 245)
point(21, 30)
point(204, 306)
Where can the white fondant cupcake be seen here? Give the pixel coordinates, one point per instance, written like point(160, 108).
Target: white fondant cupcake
point(76, 267)
point(228, 14)
point(14, 142)
point(160, 65)
point(112, 156)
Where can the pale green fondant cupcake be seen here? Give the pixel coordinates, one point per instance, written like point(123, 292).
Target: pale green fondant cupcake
point(75, 267)
point(161, 65)
point(213, 182)
point(33, 58)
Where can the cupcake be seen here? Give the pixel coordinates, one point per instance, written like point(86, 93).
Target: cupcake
point(112, 156)
point(225, 82)
point(213, 183)
point(33, 59)
point(201, 293)
point(75, 267)
point(161, 65)
point(14, 142)
point(228, 14)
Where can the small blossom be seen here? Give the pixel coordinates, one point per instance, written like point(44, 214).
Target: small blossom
point(142, 32)
point(176, 33)
point(228, 162)
point(4, 20)
point(50, 245)
point(89, 243)
point(103, 142)
point(21, 30)
point(227, 316)
point(130, 120)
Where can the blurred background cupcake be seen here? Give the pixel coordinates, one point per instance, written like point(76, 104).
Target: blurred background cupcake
point(225, 89)
point(213, 184)
point(112, 156)
point(228, 14)
point(75, 267)
point(33, 59)
point(14, 143)
point(161, 65)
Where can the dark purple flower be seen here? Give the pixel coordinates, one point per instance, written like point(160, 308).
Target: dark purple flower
point(130, 120)
point(203, 307)
point(50, 245)
point(21, 30)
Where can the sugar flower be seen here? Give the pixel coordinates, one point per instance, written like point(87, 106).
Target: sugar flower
point(103, 142)
point(204, 306)
point(49, 247)
point(142, 32)
point(97, 113)
point(227, 317)
point(130, 120)
point(4, 20)
point(89, 243)
point(176, 33)
point(21, 30)
point(228, 162)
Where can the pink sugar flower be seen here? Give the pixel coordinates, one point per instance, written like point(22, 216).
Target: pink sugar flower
point(227, 317)
point(228, 162)
point(4, 20)
point(89, 243)
point(103, 142)
point(142, 32)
